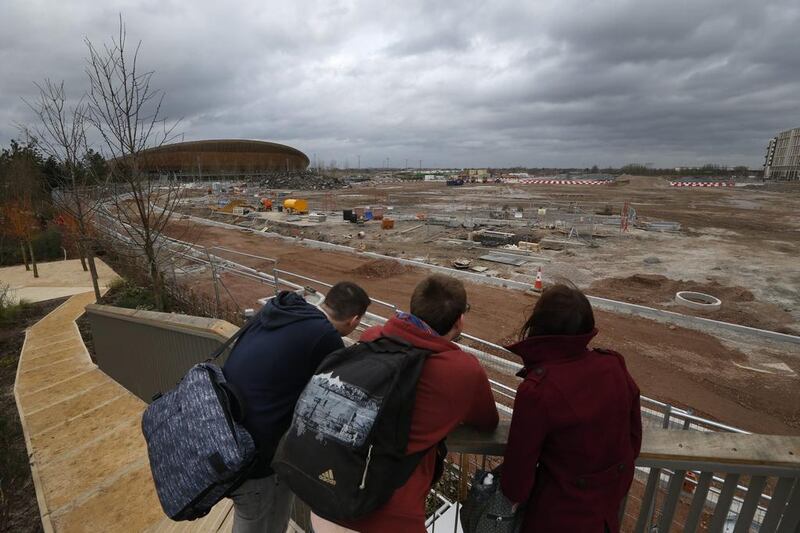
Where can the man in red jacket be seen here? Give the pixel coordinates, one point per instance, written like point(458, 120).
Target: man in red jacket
point(452, 389)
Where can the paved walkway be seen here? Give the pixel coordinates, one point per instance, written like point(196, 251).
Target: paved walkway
point(88, 457)
point(56, 279)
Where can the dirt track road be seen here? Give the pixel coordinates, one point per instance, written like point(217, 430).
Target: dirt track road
point(680, 366)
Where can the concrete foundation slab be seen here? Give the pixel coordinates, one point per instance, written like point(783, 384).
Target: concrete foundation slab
point(506, 259)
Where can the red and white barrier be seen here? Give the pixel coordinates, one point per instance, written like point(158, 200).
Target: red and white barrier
point(564, 182)
point(702, 184)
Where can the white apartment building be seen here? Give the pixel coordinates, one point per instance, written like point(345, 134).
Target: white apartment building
point(782, 160)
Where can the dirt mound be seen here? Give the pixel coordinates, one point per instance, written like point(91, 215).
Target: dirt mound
point(738, 304)
point(381, 269)
point(654, 288)
point(645, 280)
point(643, 182)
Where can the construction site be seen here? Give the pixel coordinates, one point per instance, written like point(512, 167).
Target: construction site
point(697, 286)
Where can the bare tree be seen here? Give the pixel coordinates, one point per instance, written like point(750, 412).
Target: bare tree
point(61, 132)
point(126, 111)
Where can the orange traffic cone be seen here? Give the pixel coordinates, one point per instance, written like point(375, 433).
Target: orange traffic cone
point(537, 285)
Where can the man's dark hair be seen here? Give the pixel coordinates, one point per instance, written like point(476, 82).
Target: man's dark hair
point(439, 300)
point(561, 310)
point(346, 300)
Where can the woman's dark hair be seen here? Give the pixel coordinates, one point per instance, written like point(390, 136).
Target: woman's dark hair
point(561, 310)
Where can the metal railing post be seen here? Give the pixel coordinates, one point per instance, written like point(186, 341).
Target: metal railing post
point(214, 280)
point(667, 415)
point(648, 501)
point(275, 276)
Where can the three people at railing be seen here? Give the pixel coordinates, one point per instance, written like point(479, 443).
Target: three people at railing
point(576, 428)
point(575, 431)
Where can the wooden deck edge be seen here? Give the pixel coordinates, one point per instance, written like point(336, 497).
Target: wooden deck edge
point(44, 511)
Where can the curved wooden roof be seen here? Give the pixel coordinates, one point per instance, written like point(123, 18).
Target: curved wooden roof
point(227, 155)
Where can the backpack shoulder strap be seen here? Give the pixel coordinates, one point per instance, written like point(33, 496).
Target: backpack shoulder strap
point(398, 340)
point(233, 338)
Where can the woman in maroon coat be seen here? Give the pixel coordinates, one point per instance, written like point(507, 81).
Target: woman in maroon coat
point(576, 428)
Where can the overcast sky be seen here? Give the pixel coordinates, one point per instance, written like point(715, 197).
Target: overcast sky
point(462, 83)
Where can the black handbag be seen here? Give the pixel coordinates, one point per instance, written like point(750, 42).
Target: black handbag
point(486, 509)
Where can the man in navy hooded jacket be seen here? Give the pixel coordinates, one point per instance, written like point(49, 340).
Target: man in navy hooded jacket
point(270, 366)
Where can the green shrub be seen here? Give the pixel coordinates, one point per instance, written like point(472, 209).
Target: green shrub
point(10, 310)
point(46, 247)
point(125, 293)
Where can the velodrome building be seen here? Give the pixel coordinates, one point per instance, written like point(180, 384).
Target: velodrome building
point(226, 158)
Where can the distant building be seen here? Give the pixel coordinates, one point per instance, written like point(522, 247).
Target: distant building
point(782, 160)
point(478, 172)
point(226, 158)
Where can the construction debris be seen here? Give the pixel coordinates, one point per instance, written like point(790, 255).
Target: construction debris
point(461, 263)
point(661, 225)
point(493, 238)
point(412, 228)
point(529, 246)
point(300, 180)
point(559, 244)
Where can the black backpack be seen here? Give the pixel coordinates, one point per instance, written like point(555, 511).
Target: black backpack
point(345, 452)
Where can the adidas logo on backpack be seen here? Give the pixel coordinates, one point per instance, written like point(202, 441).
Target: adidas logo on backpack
point(327, 477)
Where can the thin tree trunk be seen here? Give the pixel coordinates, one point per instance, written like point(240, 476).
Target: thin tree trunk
point(93, 271)
point(33, 260)
point(155, 278)
point(24, 255)
point(158, 289)
point(82, 255)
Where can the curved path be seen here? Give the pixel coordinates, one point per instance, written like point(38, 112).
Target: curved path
point(88, 457)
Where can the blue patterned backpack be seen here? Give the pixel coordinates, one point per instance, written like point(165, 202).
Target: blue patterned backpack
point(199, 452)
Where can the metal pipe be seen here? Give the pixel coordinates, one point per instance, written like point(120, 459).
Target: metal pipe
point(243, 253)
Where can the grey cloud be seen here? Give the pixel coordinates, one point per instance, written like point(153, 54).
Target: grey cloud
point(552, 83)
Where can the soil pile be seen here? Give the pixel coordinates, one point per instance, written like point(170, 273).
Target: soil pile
point(381, 269)
point(301, 180)
point(738, 304)
point(652, 288)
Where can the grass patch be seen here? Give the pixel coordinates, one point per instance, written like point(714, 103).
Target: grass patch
point(10, 310)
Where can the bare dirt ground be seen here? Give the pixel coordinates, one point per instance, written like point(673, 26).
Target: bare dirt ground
point(741, 239)
point(680, 366)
